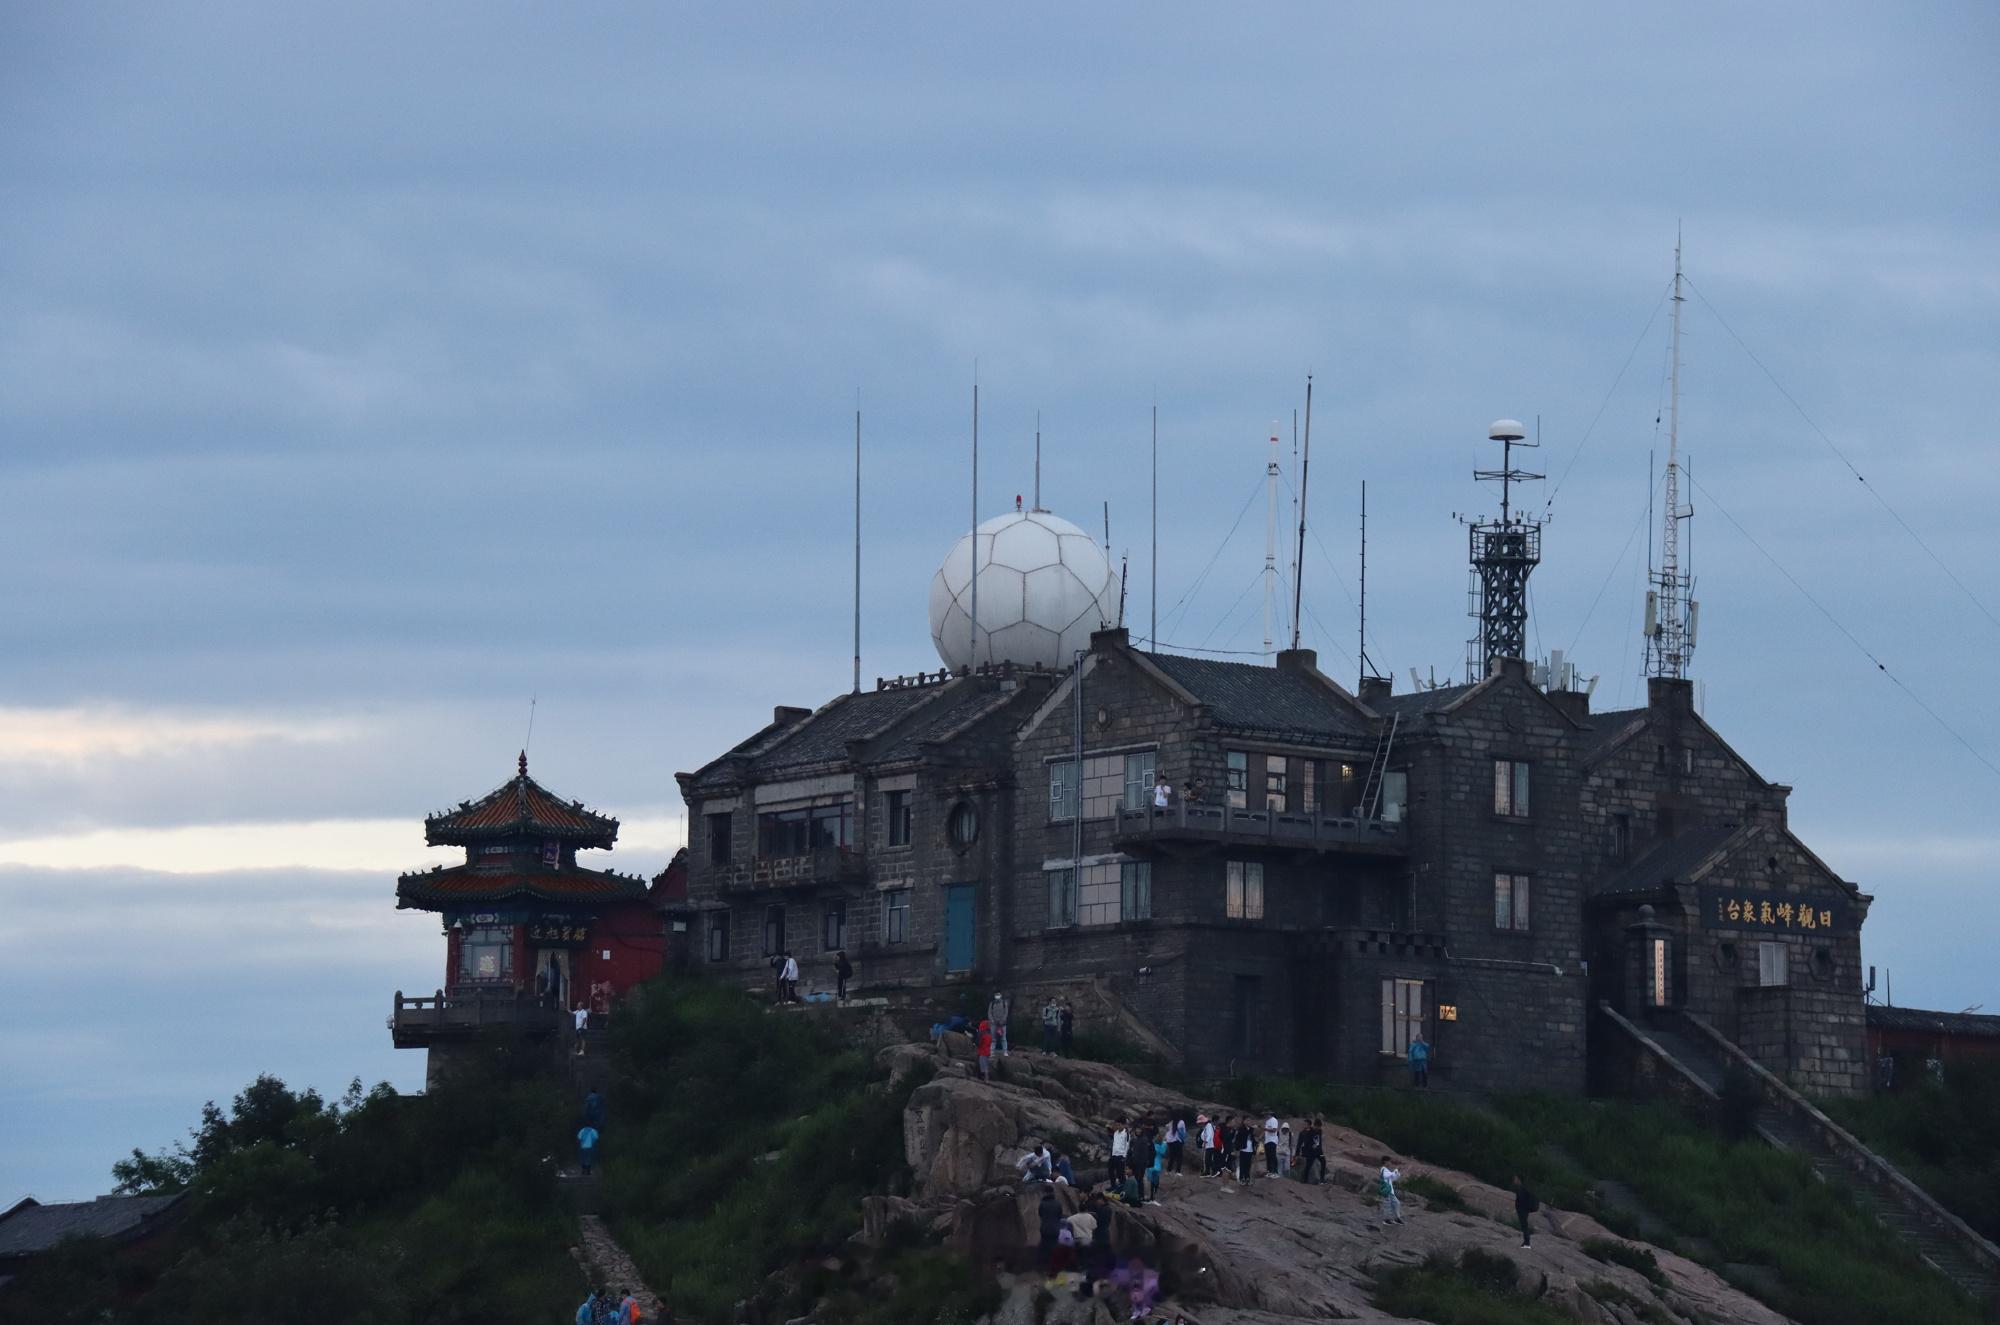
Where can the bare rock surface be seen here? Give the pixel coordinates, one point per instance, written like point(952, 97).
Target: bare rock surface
point(1269, 1252)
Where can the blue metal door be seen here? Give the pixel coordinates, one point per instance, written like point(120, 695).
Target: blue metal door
point(958, 927)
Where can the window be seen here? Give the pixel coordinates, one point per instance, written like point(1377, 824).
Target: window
point(1103, 787)
point(896, 809)
point(1773, 965)
point(486, 953)
point(1276, 785)
point(1243, 890)
point(1621, 837)
point(1657, 993)
point(1402, 1015)
point(1238, 797)
point(1135, 878)
point(896, 915)
point(962, 824)
point(774, 930)
point(833, 927)
point(720, 827)
point(1395, 796)
point(1062, 897)
point(832, 825)
point(718, 936)
point(1139, 770)
point(1510, 901)
point(1510, 788)
point(782, 833)
point(1308, 790)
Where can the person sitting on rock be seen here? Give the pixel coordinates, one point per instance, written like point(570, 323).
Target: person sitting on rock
point(1064, 1173)
point(1037, 1165)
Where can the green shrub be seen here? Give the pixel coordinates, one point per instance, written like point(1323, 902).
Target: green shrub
point(1436, 1194)
point(1945, 1135)
point(1603, 1290)
point(1476, 1289)
point(1640, 1259)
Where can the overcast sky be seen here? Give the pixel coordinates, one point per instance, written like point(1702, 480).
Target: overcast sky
point(366, 371)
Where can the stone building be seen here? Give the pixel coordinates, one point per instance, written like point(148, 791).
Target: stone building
point(1334, 873)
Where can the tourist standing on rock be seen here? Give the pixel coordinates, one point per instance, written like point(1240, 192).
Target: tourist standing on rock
point(984, 1050)
point(1420, 1061)
point(1312, 1146)
point(628, 1308)
point(1050, 1215)
point(790, 979)
point(1068, 1026)
point(1272, 1135)
point(586, 1147)
point(1392, 1204)
point(1176, 1143)
point(1288, 1150)
point(998, 1010)
point(1158, 1150)
point(1246, 1149)
point(1121, 1147)
point(843, 971)
point(1525, 1204)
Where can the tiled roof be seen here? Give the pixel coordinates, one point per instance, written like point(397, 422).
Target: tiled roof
point(521, 805)
point(823, 737)
point(947, 717)
point(1605, 728)
point(30, 1227)
point(1250, 697)
point(463, 885)
point(1672, 861)
point(1418, 702)
point(1985, 1025)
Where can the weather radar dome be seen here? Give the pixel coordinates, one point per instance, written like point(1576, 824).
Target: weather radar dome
point(1044, 586)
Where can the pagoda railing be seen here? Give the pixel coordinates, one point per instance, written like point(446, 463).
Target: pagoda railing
point(467, 1009)
point(1223, 825)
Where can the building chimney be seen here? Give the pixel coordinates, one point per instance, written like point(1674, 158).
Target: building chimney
point(1670, 694)
point(1298, 660)
point(1574, 703)
point(784, 715)
point(1375, 689)
point(1111, 637)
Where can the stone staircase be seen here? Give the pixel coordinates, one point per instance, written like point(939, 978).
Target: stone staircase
point(1785, 1119)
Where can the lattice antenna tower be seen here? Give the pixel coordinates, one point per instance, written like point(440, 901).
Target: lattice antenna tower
point(1504, 553)
point(1671, 611)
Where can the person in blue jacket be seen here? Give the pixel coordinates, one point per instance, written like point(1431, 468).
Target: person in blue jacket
point(1420, 1061)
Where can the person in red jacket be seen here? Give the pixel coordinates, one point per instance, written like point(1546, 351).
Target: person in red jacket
point(985, 1051)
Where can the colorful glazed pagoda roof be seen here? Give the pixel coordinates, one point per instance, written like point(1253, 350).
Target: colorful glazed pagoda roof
point(520, 807)
point(462, 885)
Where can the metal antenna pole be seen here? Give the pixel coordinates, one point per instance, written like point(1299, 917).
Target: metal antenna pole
point(857, 549)
point(1362, 661)
point(1669, 646)
point(1271, 536)
point(972, 656)
point(1107, 532)
point(1038, 461)
point(1305, 472)
point(1153, 628)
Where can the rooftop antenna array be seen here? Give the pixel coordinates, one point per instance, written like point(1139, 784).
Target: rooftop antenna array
point(1305, 472)
point(1504, 553)
point(1671, 612)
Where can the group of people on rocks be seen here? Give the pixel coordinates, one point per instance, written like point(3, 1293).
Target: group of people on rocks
point(616, 1307)
point(1079, 1245)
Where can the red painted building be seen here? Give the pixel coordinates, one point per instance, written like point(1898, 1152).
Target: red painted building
point(529, 933)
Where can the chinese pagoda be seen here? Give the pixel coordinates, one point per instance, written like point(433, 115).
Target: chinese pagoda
point(530, 935)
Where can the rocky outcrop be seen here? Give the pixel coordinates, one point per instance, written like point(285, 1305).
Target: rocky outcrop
point(1257, 1253)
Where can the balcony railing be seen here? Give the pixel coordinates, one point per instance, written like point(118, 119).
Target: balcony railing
point(466, 1011)
point(822, 865)
point(1222, 826)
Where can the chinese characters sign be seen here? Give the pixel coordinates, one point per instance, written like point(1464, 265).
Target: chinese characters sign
point(554, 931)
point(1736, 908)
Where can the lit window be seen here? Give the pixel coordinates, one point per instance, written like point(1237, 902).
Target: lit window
point(1510, 901)
point(1402, 1015)
point(1243, 890)
point(1510, 788)
point(1658, 993)
point(896, 915)
point(1239, 780)
point(486, 954)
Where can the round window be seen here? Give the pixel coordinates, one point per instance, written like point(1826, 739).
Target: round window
point(962, 825)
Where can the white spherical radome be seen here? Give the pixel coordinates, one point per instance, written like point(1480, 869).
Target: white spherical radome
point(1044, 586)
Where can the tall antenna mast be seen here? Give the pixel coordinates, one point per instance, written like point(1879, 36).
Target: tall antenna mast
point(972, 655)
point(1295, 496)
point(1670, 609)
point(1363, 660)
point(1038, 461)
point(1305, 471)
point(1271, 536)
point(1153, 629)
point(857, 548)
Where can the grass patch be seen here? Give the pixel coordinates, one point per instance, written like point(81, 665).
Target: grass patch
point(1638, 1259)
point(1944, 1135)
point(1603, 1290)
point(1479, 1288)
point(1436, 1194)
point(930, 1286)
point(740, 1143)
